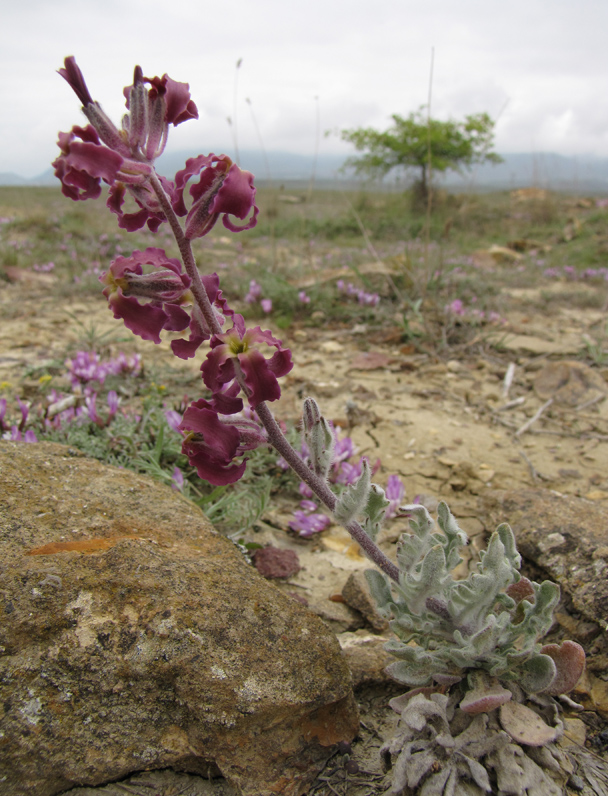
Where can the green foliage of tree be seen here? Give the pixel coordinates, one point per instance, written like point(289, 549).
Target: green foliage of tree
point(418, 142)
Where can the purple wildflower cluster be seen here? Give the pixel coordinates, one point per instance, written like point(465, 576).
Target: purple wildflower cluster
point(458, 309)
point(365, 299)
point(80, 406)
point(254, 295)
point(88, 366)
point(573, 275)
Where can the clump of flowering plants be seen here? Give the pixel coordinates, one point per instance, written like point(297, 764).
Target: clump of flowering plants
point(477, 640)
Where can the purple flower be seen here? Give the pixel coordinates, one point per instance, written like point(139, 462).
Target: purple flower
point(122, 158)
point(178, 479)
point(349, 473)
point(91, 405)
point(266, 305)
point(260, 374)
point(2, 414)
point(308, 524)
point(222, 190)
point(367, 299)
point(255, 291)
point(112, 403)
point(343, 449)
point(395, 492)
point(125, 282)
point(82, 165)
point(25, 410)
point(173, 418)
point(455, 307)
point(211, 444)
point(303, 297)
point(305, 490)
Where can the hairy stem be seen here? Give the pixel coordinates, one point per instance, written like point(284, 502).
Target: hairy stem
point(321, 490)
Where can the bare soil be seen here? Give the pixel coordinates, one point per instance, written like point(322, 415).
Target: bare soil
point(449, 425)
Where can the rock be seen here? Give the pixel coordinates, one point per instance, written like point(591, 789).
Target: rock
point(564, 535)
point(366, 657)
point(272, 562)
point(135, 637)
point(356, 593)
point(569, 383)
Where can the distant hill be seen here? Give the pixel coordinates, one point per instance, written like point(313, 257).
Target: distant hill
point(582, 174)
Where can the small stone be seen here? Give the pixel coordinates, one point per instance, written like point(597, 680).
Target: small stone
point(273, 562)
point(356, 593)
point(575, 733)
point(576, 783)
point(366, 657)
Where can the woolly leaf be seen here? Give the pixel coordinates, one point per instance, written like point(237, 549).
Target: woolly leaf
point(319, 437)
point(537, 673)
point(354, 498)
point(411, 673)
point(375, 511)
point(508, 539)
point(380, 589)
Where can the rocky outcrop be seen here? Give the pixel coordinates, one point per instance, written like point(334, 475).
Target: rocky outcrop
point(135, 637)
point(566, 536)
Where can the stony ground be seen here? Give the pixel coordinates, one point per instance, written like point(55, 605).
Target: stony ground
point(517, 407)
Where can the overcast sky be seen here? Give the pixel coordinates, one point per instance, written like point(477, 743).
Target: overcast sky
point(539, 66)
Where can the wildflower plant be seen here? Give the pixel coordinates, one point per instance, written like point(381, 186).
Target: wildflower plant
point(476, 636)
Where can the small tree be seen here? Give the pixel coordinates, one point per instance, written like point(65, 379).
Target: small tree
point(415, 142)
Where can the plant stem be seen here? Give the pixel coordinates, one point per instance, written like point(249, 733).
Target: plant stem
point(275, 435)
point(185, 249)
point(321, 490)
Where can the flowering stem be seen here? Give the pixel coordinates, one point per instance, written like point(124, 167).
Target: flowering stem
point(275, 435)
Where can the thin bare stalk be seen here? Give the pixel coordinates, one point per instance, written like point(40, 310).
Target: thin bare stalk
point(429, 190)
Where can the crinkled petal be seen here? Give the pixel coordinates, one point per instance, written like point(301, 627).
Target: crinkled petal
point(186, 349)
point(94, 159)
point(215, 471)
point(280, 362)
point(180, 106)
point(144, 320)
point(262, 383)
point(177, 319)
point(215, 446)
point(193, 166)
point(227, 401)
point(218, 368)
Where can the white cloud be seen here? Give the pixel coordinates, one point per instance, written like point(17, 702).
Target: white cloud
point(362, 60)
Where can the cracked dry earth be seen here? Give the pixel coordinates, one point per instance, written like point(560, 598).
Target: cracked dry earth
point(517, 407)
